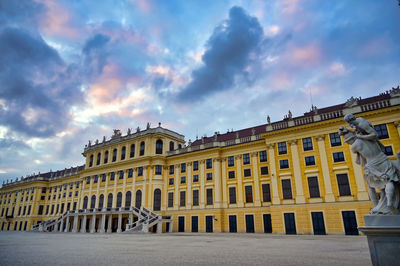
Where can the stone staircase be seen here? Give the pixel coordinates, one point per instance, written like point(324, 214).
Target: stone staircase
point(146, 219)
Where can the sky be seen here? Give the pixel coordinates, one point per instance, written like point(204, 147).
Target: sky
point(72, 71)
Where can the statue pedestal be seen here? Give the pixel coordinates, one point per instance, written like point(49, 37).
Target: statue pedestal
point(383, 234)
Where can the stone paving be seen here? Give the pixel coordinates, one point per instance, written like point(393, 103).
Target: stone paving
point(31, 248)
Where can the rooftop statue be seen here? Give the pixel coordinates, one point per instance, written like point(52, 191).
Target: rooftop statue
point(381, 174)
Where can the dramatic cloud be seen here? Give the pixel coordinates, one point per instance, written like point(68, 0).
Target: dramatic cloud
point(37, 89)
point(228, 53)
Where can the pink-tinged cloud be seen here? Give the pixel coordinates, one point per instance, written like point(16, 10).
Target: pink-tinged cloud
point(289, 7)
point(280, 81)
point(145, 6)
point(375, 47)
point(337, 69)
point(57, 21)
point(309, 55)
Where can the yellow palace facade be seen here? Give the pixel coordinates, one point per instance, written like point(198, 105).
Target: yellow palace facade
point(294, 176)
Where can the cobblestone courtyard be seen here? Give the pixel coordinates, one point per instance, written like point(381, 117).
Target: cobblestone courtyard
point(27, 248)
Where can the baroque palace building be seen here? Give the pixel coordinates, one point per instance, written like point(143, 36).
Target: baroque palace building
point(294, 176)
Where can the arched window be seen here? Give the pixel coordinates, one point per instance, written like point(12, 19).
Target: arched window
point(159, 146)
point(138, 199)
point(106, 157)
point(101, 201)
point(179, 146)
point(85, 202)
point(91, 161)
point(119, 199)
point(109, 200)
point(114, 158)
point(128, 198)
point(141, 148)
point(132, 153)
point(98, 158)
point(123, 151)
point(93, 202)
point(157, 200)
point(171, 145)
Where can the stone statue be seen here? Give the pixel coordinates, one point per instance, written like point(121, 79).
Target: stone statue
point(380, 173)
point(268, 119)
point(129, 131)
point(148, 125)
point(117, 133)
point(97, 141)
point(290, 115)
point(90, 143)
point(137, 129)
point(104, 139)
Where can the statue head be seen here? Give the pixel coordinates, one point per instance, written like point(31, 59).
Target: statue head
point(349, 118)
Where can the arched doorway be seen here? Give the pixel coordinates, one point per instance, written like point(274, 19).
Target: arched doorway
point(109, 200)
point(85, 202)
point(138, 199)
point(128, 198)
point(157, 200)
point(119, 199)
point(101, 201)
point(93, 202)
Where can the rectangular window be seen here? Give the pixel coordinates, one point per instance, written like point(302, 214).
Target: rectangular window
point(246, 158)
point(263, 156)
point(249, 193)
point(313, 187)
point(232, 195)
point(170, 199)
point(71, 185)
point(42, 197)
point(231, 174)
point(286, 189)
point(264, 170)
point(282, 149)
point(183, 179)
point(388, 151)
point(307, 144)
point(382, 131)
point(195, 197)
point(247, 172)
point(96, 179)
point(43, 190)
point(74, 208)
point(70, 194)
point(52, 209)
point(171, 181)
point(64, 194)
point(209, 176)
point(310, 160)
point(121, 174)
point(88, 180)
point(77, 186)
point(158, 170)
point(47, 209)
point(209, 163)
point(335, 139)
point(343, 184)
point(338, 157)
point(76, 193)
point(195, 165)
point(209, 196)
point(266, 191)
point(284, 164)
point(182, 199)
point(171, 169)
point(231, 161)
point(140, 171)
point(29, 210)
point(112, 176)
point(183, 167)
point(130, 172)
point(195, 178)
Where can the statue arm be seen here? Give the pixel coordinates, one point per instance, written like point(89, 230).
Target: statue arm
point(370, 132)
